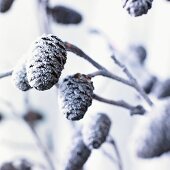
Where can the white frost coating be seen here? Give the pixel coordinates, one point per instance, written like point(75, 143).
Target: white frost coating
point(96, 130)
point(151, 137)
point(19, 76)
point(77, 155)
point(46, 62)
point(138, 7)
point(76, 94)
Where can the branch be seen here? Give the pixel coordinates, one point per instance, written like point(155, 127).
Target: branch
point(103, 71)
point(133, 80)
point(134, 110)
point(5, 74)
point(43, 16)
point(42, 147)
point(34, 133)
point(113, 143)
point(105, 36)
point(109, 156)
point(74, 49)
point(119, 103)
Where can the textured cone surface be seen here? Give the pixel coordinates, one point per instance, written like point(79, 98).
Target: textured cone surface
point(77, 155)
point(96, 130)
point(76, 94)
point(162, 89)
point(138, 7)
point(64, 15)
point(46, 62)
point(5, 5)
point(152, 135)
point(19, 77)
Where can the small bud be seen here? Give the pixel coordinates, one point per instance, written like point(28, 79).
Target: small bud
point(138, 7)
point(32, 117)
point(76, 94)
point(19, 77)
point(138, 110)
point(77, 155)
point(64, 15)
point(5, 5)
point(139, 52)
point(96, 131)
point(162, 89)
point(44, 67)
point(149, 85)
point(151, 137)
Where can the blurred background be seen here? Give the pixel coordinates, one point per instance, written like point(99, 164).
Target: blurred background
point(20, 26)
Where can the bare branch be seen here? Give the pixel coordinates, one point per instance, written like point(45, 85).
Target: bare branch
point(133, 80)
point(134, 110)
point(74, 49)
point(104, 72)
point(5, 74)
point(34, 133)
point(119, 103)
point(105, 36)
point(43, 16)
point(109, 156)
point(113, 143)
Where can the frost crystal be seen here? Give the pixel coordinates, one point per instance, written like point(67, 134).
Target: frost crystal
point(76, 94)
point(44, 67)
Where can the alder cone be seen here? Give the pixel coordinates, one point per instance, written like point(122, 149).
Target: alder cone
point(5, 5)
point(19, 77)
point(151, 137)
point(46, 62)
point(76, 94)
point(96, 130)
point(138, 7)
point(77, 155)
point(64, 15)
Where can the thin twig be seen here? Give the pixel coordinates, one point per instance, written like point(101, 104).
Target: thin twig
point(43, 149)
point(103, 71)
point(5, 74)
point(119, 103)
point(42, 6)
point(105, 36)
point(132, 79)
point(34, 133)
point(113, 143)
point(134, 110)
point(109, 156)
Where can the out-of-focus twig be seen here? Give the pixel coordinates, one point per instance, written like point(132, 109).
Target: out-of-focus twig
point(5, 74)
point(34, 133)
point(111, 141)
point(43, 18)
point(133, 80)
